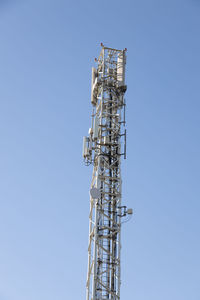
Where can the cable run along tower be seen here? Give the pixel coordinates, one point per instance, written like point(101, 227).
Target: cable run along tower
point(104, 148)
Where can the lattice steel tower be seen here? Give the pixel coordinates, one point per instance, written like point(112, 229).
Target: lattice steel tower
point(104, 148)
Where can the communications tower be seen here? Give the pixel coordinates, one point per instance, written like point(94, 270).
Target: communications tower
point(104, 148)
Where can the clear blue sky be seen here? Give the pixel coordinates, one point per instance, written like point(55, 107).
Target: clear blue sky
point(47, 49)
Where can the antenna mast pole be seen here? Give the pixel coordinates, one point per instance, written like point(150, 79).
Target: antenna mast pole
point(103, 149)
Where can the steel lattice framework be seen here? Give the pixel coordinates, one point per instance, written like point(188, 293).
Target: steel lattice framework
point(103, 149)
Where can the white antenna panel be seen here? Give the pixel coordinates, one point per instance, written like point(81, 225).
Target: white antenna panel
point(96, 127)
point(94, 81)
point(94, 75)
point(121, 68)
point(85, 146)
